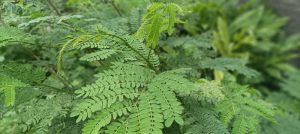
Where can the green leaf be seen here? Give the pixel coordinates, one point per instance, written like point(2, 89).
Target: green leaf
point(99, 55)
point(11, 35)
point(179, 120)
point(8, 85)
point(240, 125)
point(154, 31)
point(9, 93)
point(248, 21)
point(223, 31)
point(169, 122)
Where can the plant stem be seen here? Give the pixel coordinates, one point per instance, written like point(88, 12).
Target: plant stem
point(54, 8)
point(51, 70)
point(56, 89)
point(64, 81)
point(116, 8)
point(133, 49)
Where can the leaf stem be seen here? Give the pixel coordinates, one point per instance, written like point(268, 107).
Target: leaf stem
point(54, 8)
point(133, 49)
point(56, 89)
point(116, 8)
point(62, 79)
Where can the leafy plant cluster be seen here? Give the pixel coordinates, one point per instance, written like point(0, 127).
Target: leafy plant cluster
point(146, 67)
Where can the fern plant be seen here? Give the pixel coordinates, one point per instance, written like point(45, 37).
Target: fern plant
point(149, 98)
point(132, 90)
point(129, 87)
point(243, 110)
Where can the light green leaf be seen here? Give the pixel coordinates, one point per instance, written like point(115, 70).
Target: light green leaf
point(169, 122)
point(179, 120)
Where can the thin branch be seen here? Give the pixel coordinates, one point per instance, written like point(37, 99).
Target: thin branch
point(133, 49)
point(32, 54)
point(148, 57)
point(116, 8)
point(63, 80)
point(51, 70)
point(54, 8)
point(56, 89)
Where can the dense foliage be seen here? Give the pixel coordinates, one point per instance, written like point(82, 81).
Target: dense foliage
point(146, 66)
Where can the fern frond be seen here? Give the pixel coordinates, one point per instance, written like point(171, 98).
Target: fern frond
point(240, 125)
point(121, 76)
point(144, 51)
point(209, 92)
point(36, 20)
point(121, 126)
point(129, 48)
point(243, 109)
point(245, 124)
point(88, 106)
point(168, 102)
point(103, 44)
point(229, 110)
point(23, 72)
point(253, 122)
point(159, 17)
point(199, 120)
point(49, 19)
point(9, 35)
point(154, 31)
point(175, 82)
point(153, 94)
point(291, 83)
point(8, 86)
point(148, 116)
point(172, 9)
point(9, 93)
point(99, 55)
point(105, 117)
point(14, 75)
point(38, 115)
point(265, 110)
point(231, 64)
